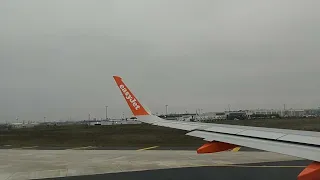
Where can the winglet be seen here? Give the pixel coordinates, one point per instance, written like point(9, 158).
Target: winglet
point(135, 106)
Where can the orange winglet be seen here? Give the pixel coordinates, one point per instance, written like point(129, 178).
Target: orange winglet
point(311, 172)
point(215, 146)
point(135, 106)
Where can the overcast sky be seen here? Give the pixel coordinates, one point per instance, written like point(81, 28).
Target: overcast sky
point(57, 57)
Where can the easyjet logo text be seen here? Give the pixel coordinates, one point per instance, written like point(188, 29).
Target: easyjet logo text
point(129, 97)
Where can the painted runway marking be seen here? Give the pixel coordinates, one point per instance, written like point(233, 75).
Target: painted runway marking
point(28, 147)
point(147, 148)
point(83, 148)
point(236, 149)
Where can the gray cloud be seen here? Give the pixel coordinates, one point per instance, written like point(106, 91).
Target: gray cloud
point(57, 58)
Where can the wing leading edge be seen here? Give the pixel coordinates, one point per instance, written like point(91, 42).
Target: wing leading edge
point(303, 144)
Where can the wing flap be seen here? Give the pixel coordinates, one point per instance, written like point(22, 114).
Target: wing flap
point(267, 133)
point(262, 134)
point(301, 138)
point(225, 130)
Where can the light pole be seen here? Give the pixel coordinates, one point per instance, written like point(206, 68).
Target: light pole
point(44, 119)
point(106, 112)
point(166, 109)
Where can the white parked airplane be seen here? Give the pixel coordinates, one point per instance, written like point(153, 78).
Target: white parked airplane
point(303, 144)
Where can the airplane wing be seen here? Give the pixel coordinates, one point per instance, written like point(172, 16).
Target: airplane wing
point(303, 144)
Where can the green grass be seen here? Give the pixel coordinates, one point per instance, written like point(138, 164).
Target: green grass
point(139, 135)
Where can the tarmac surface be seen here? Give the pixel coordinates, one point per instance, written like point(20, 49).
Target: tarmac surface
point(148, 162)
point(286, 170)
point(191, 148)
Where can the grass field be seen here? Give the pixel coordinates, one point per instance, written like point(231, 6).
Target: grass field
point(138, 135)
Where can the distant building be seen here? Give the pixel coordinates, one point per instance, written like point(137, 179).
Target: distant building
point(186, 118)
point(211, 116)
point(179, 117)
point(236, 115)
point(294, 113)
point(116, 122)
point(23, 125)
point(244, 114)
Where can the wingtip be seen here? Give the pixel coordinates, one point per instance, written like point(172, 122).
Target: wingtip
point(117, 77)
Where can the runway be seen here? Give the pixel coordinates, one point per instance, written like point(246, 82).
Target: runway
point(18, 164)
